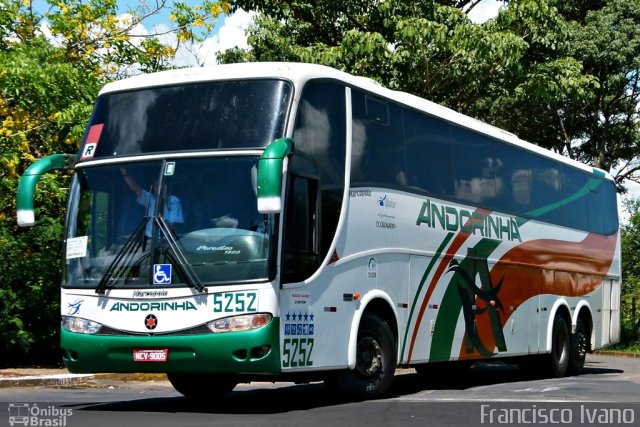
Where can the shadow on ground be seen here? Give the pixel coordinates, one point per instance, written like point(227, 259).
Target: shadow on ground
point(270, 400)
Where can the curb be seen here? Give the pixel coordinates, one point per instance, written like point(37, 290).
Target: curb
point(71, 380)
point(617, 353)
point(58, 380)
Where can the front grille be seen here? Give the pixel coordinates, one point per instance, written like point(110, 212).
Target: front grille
point(197, 330)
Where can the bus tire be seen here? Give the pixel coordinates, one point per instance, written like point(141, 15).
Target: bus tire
point(375, 361)
point(579, 348)
point(202, 386)
point(558, 359)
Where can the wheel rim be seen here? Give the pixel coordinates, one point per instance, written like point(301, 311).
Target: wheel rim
point(369, 360)
point(581, 350)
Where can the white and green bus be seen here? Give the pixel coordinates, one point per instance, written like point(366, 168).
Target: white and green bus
point(282, 221)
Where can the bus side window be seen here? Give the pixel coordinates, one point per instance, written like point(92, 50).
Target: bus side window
point(378, 155)
point(301, 255)
point(429, 162)
point(474, 168)
point(515, 175)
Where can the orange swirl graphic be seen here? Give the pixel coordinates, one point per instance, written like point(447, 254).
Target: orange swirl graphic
point(545, 267)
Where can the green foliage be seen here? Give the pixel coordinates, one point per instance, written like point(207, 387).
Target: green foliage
point(578, 92)
point(52, 66)
point(428, 48)
point(630, 247)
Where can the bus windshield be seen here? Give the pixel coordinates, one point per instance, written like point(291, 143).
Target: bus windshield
point(180, 222)
point(196, 116)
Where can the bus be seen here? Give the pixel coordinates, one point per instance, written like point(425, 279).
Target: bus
point(291, 222)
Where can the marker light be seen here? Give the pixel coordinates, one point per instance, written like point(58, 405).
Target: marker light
point(81, 326)
point(243, 322)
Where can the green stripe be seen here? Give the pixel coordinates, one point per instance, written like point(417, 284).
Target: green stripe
point(591, 185)
point(426, 274)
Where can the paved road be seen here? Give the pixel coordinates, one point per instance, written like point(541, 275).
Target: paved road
point(608, 393)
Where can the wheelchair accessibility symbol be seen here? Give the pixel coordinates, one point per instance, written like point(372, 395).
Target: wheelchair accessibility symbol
point(161, 274)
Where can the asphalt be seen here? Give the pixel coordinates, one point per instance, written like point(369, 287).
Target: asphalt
point(61, 377)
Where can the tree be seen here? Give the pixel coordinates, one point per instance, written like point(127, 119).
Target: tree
point(52, 65)
point(561, 74)
point(630, 248)
point(428, 48)
point(579, 91)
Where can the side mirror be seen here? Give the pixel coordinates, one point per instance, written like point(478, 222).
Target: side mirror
point(30, 178)
point(270, 171)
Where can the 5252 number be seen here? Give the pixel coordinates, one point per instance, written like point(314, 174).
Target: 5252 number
point(235, 302)
point(296, 352)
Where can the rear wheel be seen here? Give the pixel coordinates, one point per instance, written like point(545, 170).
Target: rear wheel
point(558, 359)
point(202, 386)
point(375, 361)
point(579, 348)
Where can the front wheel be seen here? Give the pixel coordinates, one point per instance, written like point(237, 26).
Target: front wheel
point(375, 361)
point(202, 386)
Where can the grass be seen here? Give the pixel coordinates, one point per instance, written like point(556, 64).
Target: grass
point(625, 347)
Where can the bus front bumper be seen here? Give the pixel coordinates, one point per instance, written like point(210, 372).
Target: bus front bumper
point(246, 352)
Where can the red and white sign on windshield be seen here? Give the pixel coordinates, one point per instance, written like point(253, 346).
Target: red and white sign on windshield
point(91, 143)
point(151, 355)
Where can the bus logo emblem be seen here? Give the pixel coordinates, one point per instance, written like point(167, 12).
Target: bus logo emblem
point(162, 274)
point(150, 322)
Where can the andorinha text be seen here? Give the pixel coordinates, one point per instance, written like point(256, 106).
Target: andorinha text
point(158, 306)
point(454, 219)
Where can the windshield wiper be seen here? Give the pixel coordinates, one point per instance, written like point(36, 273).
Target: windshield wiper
point(116, 268)
point(183, 263)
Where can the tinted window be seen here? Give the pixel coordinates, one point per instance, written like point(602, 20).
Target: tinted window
point(300, 247)
point(573, 211)
point(429, 164)
point(606, 205)
point(320, 131)
point(198, 116)
point(378, 156)
point(474, 168)
point(513, 175)
point(546, 187)
point(428, 155)
point(320, 138)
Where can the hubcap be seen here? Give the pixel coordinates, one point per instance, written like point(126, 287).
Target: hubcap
point(369, 360)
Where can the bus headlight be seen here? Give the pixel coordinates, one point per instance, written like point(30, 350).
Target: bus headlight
point(79, 325)
point(243, 322)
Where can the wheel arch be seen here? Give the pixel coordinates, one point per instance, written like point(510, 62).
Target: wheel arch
point(375, 302)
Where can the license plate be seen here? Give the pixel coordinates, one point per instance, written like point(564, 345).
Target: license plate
point(151, 355)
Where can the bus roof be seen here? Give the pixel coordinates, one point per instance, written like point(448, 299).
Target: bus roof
point(300, 73)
